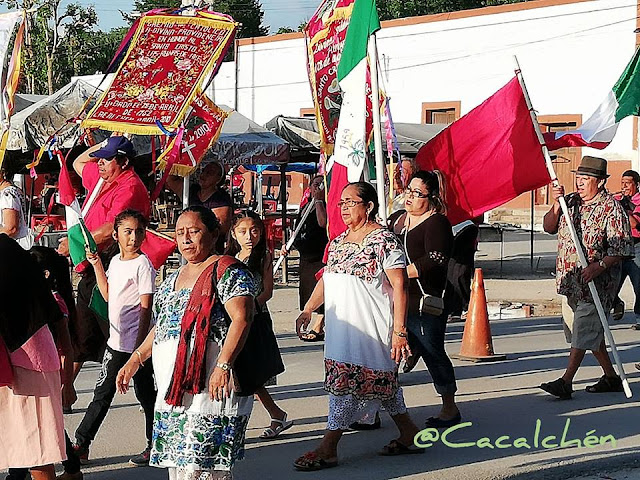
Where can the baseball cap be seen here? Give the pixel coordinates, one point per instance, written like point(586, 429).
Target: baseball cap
point(115, 146)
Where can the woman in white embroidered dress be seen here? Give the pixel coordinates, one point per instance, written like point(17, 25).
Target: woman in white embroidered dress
point(364, 292)
point(203, 436)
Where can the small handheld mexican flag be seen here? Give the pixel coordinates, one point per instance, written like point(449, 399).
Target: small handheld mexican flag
point(79, 236)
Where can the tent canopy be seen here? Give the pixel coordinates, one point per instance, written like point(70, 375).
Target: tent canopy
point(302, 133)
point(32, 126)
point(244, 142)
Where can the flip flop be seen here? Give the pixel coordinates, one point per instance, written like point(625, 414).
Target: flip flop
point(311, 462)
point(396, 448)
point(283, 425)
point(312, 336)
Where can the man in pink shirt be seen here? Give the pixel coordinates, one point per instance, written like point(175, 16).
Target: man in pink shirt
point(121, 189)
point(630, 200)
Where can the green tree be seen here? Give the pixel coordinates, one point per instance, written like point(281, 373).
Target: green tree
point(54, 43)
point(247, 12)
point(390, 9)
point(284, 30)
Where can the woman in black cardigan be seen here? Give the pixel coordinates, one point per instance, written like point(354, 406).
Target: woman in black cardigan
point(426, 234)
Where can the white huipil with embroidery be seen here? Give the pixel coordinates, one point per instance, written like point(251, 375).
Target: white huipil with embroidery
point(360, 375)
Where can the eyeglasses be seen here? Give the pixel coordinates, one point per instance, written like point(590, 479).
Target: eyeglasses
point(415, 193)
point(348, 203)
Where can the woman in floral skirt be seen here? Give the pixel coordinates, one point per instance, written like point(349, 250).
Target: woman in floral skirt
point(202, 315)
point(363, 289)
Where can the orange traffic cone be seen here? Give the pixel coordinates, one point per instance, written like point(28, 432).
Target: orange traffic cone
point(477, 345)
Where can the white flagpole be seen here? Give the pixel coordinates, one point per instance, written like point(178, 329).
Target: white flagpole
point(309, 207)
point(377, 135)
point(574, 236)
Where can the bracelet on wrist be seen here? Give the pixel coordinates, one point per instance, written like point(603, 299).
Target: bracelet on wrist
point(140, 357)
point(224, 366)
point(400, 334)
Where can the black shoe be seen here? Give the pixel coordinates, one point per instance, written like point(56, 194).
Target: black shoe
point(606, 384)
point(618, 310)
point(436, 422)
point(559, 388)
point(142, 459)
point(367, 426)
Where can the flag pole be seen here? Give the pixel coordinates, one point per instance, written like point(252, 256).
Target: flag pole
point(309, 207)
point(377, 134)
point(574, 235)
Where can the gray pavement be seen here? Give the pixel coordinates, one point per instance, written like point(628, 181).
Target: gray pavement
point(498, 399)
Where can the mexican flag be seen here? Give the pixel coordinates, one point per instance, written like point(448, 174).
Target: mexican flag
point(349, 154)
point(599, 129)
point(79, 235)
point(351, 140)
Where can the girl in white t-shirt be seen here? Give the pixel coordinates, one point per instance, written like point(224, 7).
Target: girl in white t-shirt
point(128, 287)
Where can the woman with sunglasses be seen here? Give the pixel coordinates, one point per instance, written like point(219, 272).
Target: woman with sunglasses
point(426, 234)
point(363, 290)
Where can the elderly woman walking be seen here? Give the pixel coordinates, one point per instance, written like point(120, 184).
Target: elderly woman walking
point(202, 316)
point(428, 240)
point(363, 290)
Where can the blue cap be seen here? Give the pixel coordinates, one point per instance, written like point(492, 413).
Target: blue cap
point(115, 146)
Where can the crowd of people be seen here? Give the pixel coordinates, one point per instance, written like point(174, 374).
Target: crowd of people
point(385, 295)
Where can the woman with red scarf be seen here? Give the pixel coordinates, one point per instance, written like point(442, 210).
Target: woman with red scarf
point(202, 315)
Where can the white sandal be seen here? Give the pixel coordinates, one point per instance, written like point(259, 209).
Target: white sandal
point(274, 432)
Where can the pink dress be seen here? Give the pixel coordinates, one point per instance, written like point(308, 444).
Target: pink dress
point(31, 409)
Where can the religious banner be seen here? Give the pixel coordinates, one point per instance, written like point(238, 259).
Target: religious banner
point(325, 34)
point(168, 59)
point(202, 129)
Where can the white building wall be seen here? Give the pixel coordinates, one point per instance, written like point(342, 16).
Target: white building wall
point(571, 55)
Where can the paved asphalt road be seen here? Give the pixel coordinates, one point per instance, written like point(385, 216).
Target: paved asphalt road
point(496, 398)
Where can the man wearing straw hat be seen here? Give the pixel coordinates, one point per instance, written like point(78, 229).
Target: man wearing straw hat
point(604, 231)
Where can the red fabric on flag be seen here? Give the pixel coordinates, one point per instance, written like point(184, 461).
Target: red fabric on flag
point(489, 156)
point(157, 247)
point(338, 181)
point(65, 187)
point(569, 140)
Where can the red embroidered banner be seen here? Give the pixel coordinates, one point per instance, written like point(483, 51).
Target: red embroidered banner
point(168, 59)
point(202, 129)
point(326, 32)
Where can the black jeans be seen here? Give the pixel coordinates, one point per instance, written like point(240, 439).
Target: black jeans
point(71, 464)
point(426, 339)
point(105, 390)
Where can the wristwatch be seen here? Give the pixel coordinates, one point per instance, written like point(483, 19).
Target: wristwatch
point(602, 264)
point(224, 366)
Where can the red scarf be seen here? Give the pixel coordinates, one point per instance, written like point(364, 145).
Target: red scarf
point(190, 377)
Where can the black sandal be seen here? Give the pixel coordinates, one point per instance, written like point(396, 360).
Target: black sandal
point(396, 448)
point(312, 336)
point(606, 385)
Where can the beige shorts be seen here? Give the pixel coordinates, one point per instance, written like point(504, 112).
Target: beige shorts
point(582, 326)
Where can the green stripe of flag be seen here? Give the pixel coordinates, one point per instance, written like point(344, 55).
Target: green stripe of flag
point(364, 22)
point(627, 89)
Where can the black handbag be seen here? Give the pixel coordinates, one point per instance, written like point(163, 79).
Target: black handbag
point(259, 360)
